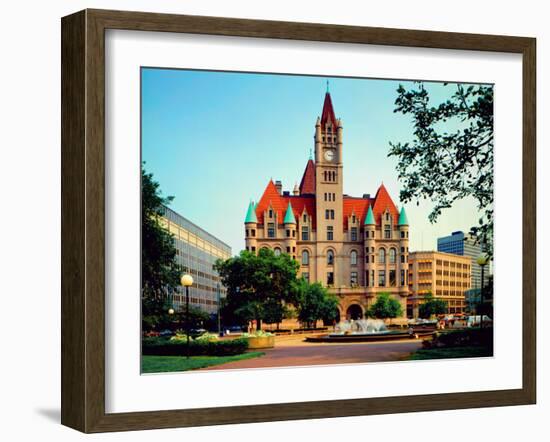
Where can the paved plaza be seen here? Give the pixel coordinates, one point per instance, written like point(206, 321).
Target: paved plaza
point(293, 351)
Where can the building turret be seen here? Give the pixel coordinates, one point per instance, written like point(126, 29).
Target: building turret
point(251, 226)
point(296, 190)
point(369, 229)
point(318, 140)
point(290, 231)
point(339, 139)
point(403, 227)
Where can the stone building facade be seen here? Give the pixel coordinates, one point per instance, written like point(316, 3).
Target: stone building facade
point(356, 246)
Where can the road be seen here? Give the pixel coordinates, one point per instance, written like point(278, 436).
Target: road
point(291, 351)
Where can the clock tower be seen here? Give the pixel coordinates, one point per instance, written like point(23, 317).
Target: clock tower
point(329, 183)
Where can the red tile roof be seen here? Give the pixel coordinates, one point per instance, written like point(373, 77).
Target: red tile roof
point(383, 201)
point(279, 204)
point(352, 205)
point(328, 112)
point(307, 185)
point(359, 206)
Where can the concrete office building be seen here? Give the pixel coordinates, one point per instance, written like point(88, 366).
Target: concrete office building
point(463, 244)
point(197, 251)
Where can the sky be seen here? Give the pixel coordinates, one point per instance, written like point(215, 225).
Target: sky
point(213, 140)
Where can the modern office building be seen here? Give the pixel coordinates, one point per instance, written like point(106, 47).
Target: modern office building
point(197, 251)
point(356, 246)
point(447, 276)
point(463, 244)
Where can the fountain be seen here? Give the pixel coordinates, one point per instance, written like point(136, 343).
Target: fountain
point(360, 326)
point(367, 330)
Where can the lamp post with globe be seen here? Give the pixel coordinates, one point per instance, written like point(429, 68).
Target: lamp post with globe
point(187, 281)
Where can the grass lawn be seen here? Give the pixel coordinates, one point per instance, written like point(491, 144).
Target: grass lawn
point(165, 364)
point(450, 352)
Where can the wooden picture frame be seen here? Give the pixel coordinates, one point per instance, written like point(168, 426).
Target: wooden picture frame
point(83, 220)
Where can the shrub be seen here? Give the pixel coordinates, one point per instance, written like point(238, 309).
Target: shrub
point(257, 334)
point(167, 347)
point(462, 338)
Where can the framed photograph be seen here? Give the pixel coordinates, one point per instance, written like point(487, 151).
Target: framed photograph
point(266, 221)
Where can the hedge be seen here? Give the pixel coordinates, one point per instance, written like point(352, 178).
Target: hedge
point(462, 338)
point(165, 347)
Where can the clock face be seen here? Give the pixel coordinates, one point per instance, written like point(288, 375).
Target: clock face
point(329, 155)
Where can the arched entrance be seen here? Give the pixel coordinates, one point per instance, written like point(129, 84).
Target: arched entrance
point(354, 312)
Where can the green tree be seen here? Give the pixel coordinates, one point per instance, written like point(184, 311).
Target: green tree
point(451, 155)
point(256, 281)
point(432, 306)
point(197, 318)
point(274, 312)
point(159, 270)
point(385, 307)
point(314, 302)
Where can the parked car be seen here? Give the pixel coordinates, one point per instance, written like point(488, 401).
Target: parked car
point(166, 333)
point(473, 321)
point(232, 329)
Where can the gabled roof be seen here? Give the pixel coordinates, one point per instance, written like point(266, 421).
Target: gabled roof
point(279, 203)
point(328, 112)
point(307, 185)
point(251, 213)
point(358, 206)
point(383, 201)
point(289, 216)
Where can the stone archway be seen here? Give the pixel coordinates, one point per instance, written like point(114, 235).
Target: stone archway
point(354, 311)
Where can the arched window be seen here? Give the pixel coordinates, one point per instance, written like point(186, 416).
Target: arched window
point(305, 258)
point(393, 254)
point(353, 258)
point(382, 256)
point(330, 257)
point(277, 251)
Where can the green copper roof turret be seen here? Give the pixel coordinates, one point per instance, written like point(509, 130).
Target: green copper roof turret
point(289, 217)
point(251, 214)
point(369, 219)
point(403, 221)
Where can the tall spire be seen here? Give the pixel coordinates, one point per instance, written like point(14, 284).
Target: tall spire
point(327, 88)
point(328, 112)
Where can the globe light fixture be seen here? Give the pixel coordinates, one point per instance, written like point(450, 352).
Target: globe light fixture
point(186, 280)
point(482, 259)
point(170, 311)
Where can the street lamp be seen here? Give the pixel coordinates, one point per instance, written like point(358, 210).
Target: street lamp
point(482, 261)
point(187, 281)
point(219, 309)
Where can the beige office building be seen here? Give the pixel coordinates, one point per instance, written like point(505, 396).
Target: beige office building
point(356, 246)
point(445, 275)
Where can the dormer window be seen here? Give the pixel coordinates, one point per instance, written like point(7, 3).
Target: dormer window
point(305, 218)
point(270, 213)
